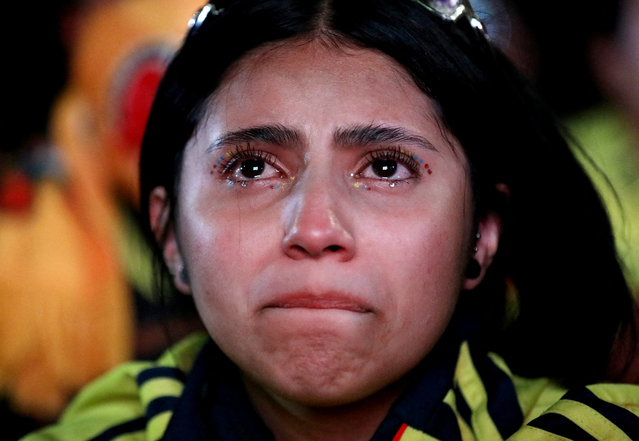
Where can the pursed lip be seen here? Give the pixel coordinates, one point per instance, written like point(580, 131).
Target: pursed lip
point(329, 300)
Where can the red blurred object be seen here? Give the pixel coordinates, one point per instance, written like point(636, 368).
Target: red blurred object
point(16, 191)
point(137, 99)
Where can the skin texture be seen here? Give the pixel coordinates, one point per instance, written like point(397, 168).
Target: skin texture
point(327, 277)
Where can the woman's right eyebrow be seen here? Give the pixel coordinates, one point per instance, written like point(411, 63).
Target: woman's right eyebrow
point(271, 134)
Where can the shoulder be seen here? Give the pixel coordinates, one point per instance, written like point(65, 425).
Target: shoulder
point(596, 412)
point(493, 403)
point(132, 402)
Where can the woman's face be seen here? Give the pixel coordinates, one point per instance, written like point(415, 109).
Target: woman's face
point(325, 221)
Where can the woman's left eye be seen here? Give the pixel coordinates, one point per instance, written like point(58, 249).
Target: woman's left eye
point(389, 165)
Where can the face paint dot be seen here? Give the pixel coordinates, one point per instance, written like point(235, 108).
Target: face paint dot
point(430, 172)
point(421, 161)
point(392, 185)
point(244, 184)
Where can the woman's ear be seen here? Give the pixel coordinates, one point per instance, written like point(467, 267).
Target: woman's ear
point(164, 231)
point(486, 243)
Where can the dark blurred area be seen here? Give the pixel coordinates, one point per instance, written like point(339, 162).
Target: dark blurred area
point(584, 59)
point(552, 43)
point(76, 292)
point(35, 40)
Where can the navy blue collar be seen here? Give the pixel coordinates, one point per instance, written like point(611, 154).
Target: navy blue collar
point(215, 406)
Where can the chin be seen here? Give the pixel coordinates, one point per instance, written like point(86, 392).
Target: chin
point(325, 380)
point(316, 394)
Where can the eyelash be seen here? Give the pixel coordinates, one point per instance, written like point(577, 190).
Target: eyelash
point(229, 161)
point(398, 154)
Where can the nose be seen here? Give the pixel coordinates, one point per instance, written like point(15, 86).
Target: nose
point(315, 225)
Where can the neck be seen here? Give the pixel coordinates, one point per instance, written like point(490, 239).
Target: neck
point(289, 421)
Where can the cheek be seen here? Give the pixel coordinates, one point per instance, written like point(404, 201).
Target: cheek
point(224, 248)
point(429, 273)
point(422, 256)
point(213, 257)
point(420, 244)
point(215, 226)
point(214, 248)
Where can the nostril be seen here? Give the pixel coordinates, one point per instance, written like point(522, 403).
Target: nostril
point(334, 248)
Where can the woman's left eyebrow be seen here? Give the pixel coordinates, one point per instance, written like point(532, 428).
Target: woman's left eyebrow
point(270, 134)
point(379, 134)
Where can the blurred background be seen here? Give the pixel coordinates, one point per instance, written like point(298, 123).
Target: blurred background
point(76, 296)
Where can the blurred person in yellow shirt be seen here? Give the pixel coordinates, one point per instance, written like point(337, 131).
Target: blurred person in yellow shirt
point(70, 250)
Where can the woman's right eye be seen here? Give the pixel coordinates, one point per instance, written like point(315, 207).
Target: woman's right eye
point(243, 165)
point(251, 168)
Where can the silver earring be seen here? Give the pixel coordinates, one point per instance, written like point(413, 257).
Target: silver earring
point(477, 237)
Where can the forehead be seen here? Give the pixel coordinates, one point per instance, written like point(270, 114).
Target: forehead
point(317, 88)
point(295, 70)
point(322, 56)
